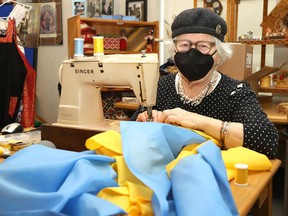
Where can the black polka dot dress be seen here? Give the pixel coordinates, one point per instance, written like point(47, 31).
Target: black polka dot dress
point(232, 101)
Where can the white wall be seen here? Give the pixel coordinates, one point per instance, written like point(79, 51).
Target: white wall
point(51, 57)
point(49, 61)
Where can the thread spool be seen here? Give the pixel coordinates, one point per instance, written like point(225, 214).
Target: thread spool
point(4, 143)
point(241, 174)
point(2, 151)
point(78, 47)
point(98, 44)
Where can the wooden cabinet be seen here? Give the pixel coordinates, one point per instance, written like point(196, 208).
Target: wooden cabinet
point(135, 32)
point(271, 22)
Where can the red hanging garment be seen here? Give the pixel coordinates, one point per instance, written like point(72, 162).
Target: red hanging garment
point(17, 83)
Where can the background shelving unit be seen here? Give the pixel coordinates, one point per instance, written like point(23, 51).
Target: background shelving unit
point(268, 21)
point(135, 32)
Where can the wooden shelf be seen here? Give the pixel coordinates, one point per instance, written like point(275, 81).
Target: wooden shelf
point(128, 106)
point(135, 32)
point(90, 53)
point(272, 112)
point(264, 42)
point(105, 89)
point(274, 89)
point(111, 22)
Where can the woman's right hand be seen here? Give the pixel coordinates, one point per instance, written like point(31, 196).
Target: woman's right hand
point(158, 116)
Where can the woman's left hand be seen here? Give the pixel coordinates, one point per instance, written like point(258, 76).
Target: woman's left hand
point(181, 117)
point(209, 125)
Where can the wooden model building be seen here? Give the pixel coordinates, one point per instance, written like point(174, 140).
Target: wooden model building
point(275, 25)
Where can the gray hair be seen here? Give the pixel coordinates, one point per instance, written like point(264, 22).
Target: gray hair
point(224, 50)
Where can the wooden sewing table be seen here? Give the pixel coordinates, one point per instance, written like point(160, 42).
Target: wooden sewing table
point(258, 193)
point(281, 122)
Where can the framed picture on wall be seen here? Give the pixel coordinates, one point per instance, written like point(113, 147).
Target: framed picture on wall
point(107, 7)
point(137, 8)
point(50, 22)
point(79, 7)
point(93, 8)
point(48, 16)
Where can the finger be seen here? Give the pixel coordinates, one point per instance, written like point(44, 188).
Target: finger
point(154, 114)
point(170, 112)
point(139, 119)
point(171, 120)
point(142, 117)
point(161, 117)
point(167, 112)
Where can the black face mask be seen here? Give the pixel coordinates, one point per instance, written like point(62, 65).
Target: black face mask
point(193, 64)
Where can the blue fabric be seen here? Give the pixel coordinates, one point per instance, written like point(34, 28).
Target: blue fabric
point(213, 157)
point(43, 181)
point(200, 185)
point(33, 213)
point(39, 178)
point(147, 148)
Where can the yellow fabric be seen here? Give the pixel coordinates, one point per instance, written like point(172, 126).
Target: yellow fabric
point(117, 195)
point(186, 151)
point(230, 173)
point(107, 143)
point(191, 149)
point(208, 137)
point(124, 174)
point(133, 198)
point(255, 160)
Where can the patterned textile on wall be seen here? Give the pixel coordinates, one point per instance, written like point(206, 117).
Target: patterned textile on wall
point(111, 42)
point(108, 101)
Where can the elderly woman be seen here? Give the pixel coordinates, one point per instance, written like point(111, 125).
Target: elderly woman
point(202, 98)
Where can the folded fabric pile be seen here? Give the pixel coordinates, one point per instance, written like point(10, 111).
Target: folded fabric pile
point(147, 169)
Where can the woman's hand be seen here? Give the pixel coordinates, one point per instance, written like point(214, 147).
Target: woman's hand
point(175, 116)
point(158, 116)
point(181, 117)
point(209, 125)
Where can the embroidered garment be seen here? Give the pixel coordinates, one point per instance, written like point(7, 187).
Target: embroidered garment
point(17, 81)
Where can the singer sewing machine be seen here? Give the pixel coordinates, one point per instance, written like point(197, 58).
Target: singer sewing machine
point(82, 79)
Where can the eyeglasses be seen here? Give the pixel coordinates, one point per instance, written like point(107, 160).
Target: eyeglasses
point(185, 45)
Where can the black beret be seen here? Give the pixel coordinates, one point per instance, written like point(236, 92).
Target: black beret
point(199, 20)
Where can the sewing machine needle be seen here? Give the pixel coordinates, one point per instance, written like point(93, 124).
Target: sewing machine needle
point(149, 112)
